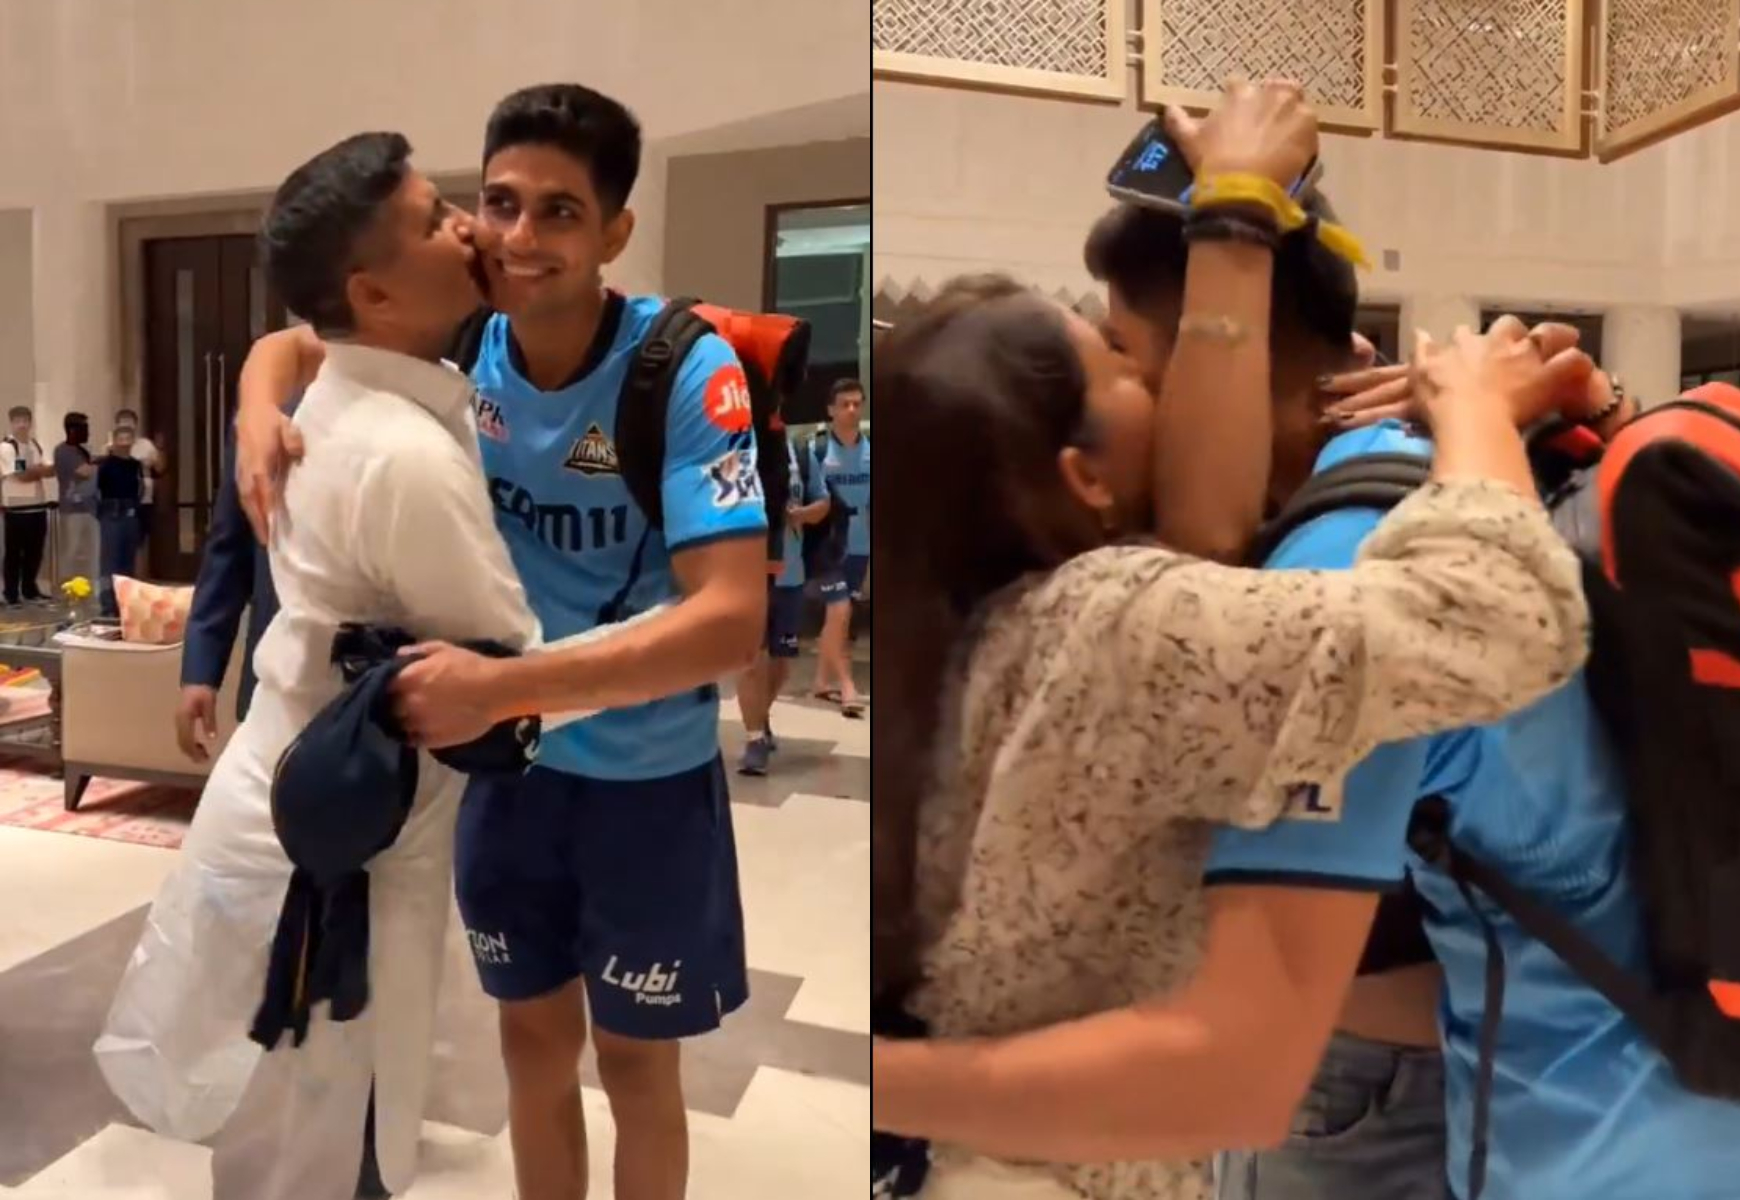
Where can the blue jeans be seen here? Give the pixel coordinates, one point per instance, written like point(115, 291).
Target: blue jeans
point(1371, 1126)
point(119, 534)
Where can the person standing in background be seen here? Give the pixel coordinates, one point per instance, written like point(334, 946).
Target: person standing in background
point(841, 455)
point(120, 483)
point(149, 457)
point(27, 498)
point(760, 685)
point(76, 474)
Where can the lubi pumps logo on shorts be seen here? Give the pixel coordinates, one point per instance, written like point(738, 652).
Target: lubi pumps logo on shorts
point(651, 986)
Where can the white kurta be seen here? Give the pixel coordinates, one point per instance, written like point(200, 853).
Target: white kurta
point(387, 520)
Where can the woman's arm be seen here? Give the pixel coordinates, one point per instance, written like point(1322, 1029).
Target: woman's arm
point(1222, 1065)
point(1212, 427)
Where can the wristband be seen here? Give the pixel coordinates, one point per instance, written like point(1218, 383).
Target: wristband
point(1215, 226)
point(1242, 189)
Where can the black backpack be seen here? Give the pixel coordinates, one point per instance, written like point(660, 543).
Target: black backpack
point(1655, 518)
point(825, 541)
point(774, 352)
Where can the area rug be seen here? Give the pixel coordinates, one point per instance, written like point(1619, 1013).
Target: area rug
point(114, 810)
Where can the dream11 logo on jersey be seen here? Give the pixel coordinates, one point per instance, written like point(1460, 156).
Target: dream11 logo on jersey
point(734, 479)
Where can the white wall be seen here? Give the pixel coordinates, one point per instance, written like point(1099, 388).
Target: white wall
point(969, 181)
point(17, 338)
point(716, 245)
point(1701, 213)
point(111, 101)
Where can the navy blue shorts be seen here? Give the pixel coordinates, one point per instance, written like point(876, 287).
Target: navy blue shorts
point(847, 582)
point(630, 885)
point(785, 615)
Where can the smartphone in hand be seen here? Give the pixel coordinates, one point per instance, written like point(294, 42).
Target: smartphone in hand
point(1152, 173)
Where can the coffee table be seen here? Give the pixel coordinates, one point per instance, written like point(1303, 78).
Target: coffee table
point(27, 641)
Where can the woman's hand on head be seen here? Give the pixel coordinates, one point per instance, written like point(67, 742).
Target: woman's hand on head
point(1265, 129)
point(1505, 367)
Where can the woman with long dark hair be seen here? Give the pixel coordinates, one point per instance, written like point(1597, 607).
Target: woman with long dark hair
point(1073, 707)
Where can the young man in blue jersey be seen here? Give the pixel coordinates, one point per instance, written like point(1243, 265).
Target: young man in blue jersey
point(762, 683)
point(606, 878)
point(1581, 1104)
point(841, 454)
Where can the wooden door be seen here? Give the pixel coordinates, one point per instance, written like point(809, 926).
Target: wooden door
point(207, 300)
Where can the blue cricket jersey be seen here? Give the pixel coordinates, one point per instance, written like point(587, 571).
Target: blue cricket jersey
point(1582, 1105)
point(847, 469)
point(581, 545)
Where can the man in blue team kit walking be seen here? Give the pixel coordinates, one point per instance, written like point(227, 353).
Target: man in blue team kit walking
point(611, 866)
point(841, 455)
point(762, 683)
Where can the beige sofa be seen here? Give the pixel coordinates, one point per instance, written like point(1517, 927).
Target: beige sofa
point(117, 713)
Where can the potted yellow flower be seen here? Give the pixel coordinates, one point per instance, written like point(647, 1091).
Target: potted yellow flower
point(78, 592)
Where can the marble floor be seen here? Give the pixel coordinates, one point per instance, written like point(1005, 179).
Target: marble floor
point(779, 1100)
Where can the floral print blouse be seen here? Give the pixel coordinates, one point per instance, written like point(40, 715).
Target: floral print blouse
point(1112, 711)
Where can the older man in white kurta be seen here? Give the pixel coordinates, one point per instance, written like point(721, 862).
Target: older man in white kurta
point(387, 520)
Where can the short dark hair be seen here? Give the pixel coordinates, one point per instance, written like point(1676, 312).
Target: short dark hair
point(74, 419)
point(18, 410)
point(126, 412)
point(319, 220)
point(842, 387)
point(1141, 253)
point(587, 125)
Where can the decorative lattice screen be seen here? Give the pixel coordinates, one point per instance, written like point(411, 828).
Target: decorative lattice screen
point(897, 302)
point(1072, 47)
point(1506, 74)
point(1496, 72)
point(1666, 64)
point(1333, 47)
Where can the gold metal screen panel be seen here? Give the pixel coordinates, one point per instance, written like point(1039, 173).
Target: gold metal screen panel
point(1333, 47)
point(1504, 73)
point(1067, 47)
point(1666, 65)
point(898, 303)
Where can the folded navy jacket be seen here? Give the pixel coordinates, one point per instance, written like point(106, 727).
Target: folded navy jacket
point(340, 795)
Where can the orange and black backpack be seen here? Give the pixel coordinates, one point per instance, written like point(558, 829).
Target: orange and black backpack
point(1655, 517)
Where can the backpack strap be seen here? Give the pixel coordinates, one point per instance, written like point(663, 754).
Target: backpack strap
point(643, 408)
point(1379, 481)
point(1429, 837)
point(468, 343)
